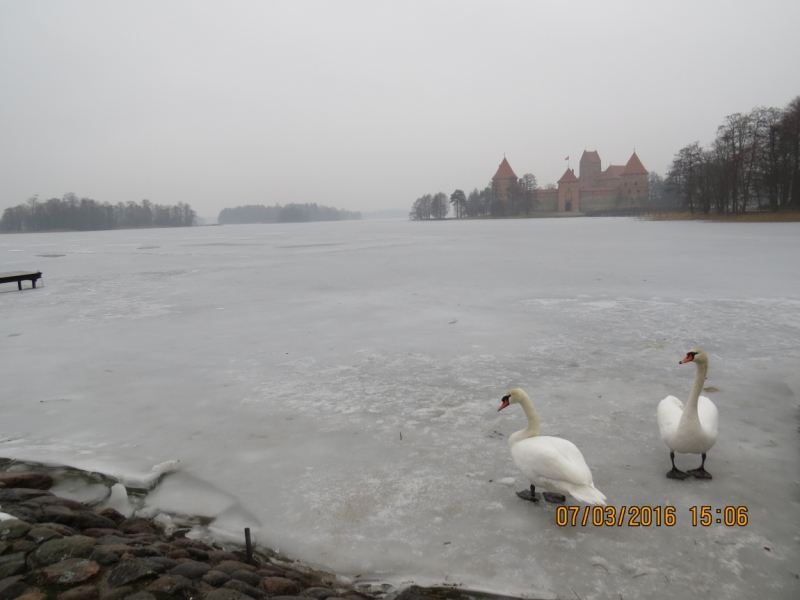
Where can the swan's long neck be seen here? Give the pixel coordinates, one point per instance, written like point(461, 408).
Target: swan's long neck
point(532, 430)
point(699, 380)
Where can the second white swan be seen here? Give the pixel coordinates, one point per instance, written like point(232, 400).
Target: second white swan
point(690, 429)
point(549, 462)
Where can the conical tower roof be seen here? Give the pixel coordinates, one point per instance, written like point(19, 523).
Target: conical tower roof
point(504, 171)
point(568, 177)
point(634, 166)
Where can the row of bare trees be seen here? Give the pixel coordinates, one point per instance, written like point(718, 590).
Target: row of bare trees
point(291, 213)
point(754, 163)
point(519, 198)
point(84, 214)
point(429, 206)
point(478, 203)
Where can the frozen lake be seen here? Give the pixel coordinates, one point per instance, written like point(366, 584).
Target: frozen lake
point(281, 363)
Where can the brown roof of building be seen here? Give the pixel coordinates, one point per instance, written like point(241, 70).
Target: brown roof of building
point(612, 172)
point(504, 171)
point(568, 177)
point(634, 166)
point(592, 156)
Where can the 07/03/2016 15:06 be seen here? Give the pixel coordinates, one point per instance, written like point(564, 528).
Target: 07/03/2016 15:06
point(645, 516)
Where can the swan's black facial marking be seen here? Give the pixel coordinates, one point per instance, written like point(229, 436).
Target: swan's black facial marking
point(689, 358)
point(504, 403)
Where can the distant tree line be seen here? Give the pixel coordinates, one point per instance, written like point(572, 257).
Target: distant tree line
point(291, 213)
point(478, 203)
point(85, 214)
point(519, 199)
point(754, 162)
point(430, 206)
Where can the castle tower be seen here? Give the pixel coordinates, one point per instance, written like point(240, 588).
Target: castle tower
point(504, 177)
point(633, 182)
point(569, 192)
point(589, 173)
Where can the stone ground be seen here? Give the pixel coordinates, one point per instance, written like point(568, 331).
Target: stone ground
point(57, 548)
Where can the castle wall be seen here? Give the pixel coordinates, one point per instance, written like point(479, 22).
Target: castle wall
point(609, 182)
point(633, 185)
point(609, 199)
point(547, 200)
point(606, 200)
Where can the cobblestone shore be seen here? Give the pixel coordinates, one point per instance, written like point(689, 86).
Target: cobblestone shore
point(56, 548)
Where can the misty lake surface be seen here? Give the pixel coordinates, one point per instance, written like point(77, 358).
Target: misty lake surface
point(281, 364)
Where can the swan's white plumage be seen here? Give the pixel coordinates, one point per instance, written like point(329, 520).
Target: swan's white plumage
point(693, 437)
point(552, 463)
point(556, 465)
point(690, 429)
point(669, 414)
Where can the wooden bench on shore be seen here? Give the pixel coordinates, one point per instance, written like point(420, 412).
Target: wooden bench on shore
point(20, 276)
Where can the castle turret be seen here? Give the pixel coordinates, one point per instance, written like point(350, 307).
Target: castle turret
point(589, 173)
point(569, 192)
point(504, 177)
point(633, 182)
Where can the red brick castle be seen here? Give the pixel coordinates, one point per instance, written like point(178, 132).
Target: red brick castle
point(619, 186)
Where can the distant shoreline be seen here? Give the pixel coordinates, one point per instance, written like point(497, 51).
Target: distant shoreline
point(535, 215)
point(784, 216)
point(748, 217)
point(113, 229)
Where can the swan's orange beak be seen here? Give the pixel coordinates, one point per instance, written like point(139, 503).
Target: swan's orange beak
point(687, 358)
point(504, 404)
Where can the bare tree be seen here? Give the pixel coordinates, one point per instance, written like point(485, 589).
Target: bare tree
point(530, 188)
point(656, 196)
point(682, 173)
point(474, 206)
point(421, 209)
point(439, 206)
point(459, 201)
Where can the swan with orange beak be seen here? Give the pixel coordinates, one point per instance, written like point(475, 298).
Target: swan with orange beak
point(689, 429)
point(548, 462)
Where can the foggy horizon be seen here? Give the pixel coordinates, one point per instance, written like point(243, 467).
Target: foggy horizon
point(365, 106)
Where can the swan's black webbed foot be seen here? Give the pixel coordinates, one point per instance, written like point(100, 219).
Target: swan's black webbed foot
point(554, 497)
point(675, 474)
point(700, 473)
point(531, 495)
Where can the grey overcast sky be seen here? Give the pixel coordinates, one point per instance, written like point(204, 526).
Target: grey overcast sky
point(366, 105)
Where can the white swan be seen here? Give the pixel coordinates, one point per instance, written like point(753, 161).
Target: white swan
point(549, 462)
point(690, 429)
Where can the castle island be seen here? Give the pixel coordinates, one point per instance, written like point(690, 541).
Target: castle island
point(618, 187)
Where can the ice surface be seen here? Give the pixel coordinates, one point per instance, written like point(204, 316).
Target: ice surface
point(119, 501)
point(81, 491)
point(334, 386)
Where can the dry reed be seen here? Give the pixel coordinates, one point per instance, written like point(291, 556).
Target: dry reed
point(748, 217)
